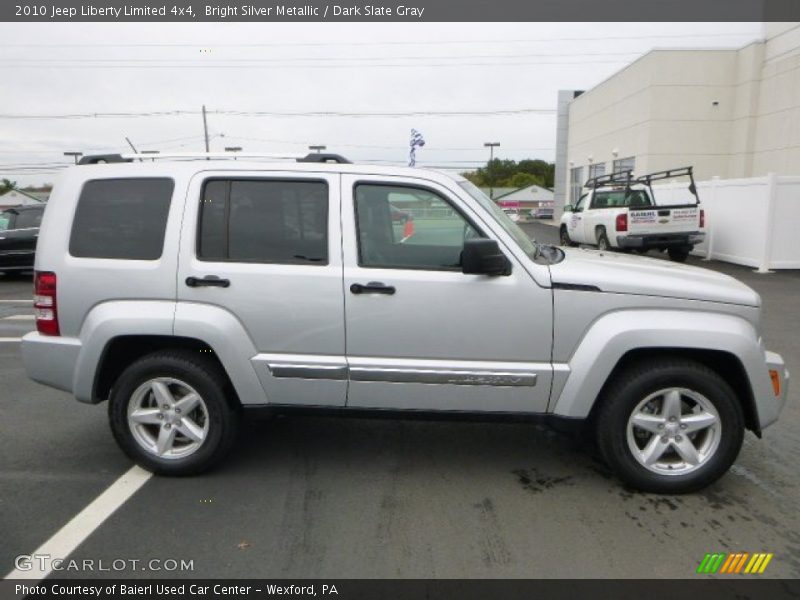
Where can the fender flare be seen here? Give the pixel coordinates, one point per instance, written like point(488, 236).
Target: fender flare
point(617, 333)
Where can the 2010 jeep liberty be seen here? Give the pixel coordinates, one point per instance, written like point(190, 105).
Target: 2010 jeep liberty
point(182, 291)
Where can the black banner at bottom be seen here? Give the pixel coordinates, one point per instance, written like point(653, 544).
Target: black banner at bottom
point(402, 589)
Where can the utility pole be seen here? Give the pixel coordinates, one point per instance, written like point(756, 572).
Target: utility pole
point(205, 128)
point(317, 148)
point(491, 146)
point(75, 155)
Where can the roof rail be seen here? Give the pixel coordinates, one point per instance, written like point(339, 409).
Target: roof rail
point(94, 159)
point(617, 178)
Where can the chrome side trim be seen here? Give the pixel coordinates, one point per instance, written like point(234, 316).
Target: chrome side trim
point(307, 371)
point(401, 375)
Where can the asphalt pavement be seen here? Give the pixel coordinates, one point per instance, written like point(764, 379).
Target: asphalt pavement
point(320, 497)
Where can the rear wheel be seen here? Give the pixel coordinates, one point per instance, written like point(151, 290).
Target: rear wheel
point(602, 240)
point(169, 413)
point(669, 426)
point(679, 254)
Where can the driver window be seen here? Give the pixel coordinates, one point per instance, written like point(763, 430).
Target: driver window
point(408, 228)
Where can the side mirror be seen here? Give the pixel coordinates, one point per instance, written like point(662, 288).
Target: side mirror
point(568, 208)
point(483, 257)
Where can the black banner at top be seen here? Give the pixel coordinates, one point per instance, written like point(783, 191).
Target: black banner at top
point(397, 10)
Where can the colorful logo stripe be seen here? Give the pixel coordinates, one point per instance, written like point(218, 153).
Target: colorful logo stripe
point(735, 563)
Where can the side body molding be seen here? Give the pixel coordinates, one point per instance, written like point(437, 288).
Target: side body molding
point(616, 333)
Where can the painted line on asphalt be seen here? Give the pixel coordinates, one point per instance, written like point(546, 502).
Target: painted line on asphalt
point(10, 339)
point(20, 318)
point(82, 525)
point(7, 301)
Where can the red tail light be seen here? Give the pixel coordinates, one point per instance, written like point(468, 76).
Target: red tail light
point(44, 303)
point(622, 222)
point(702, 218)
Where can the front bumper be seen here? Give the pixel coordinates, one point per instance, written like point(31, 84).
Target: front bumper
point(665, 240)
point(769, 404)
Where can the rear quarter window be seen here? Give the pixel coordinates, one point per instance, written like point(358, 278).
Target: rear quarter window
point(121, 218)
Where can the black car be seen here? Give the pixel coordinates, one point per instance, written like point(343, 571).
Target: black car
point(19, 229)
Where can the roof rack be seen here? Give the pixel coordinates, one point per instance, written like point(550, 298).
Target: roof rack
point(620, 177)
point(94, 159)
point(649, 178)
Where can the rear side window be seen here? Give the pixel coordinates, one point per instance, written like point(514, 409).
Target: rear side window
point(121, 218)
point(264, 221)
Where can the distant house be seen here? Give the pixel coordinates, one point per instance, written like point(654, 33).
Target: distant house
point(17, 197)
point(498, 191)
point(530, 201)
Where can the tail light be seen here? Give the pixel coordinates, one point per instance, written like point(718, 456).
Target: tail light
point(44, 303)
point(702, 218)
point(622, 222)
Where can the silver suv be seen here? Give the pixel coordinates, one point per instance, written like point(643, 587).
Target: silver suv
point(184, 291)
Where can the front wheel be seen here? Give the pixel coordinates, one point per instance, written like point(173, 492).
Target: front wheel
point(669, 426)
point(565, 239)
point(169, 413)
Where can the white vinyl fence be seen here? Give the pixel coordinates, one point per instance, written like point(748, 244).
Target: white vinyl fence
point(753, 222)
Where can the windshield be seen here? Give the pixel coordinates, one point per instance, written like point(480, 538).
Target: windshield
point(514, 230)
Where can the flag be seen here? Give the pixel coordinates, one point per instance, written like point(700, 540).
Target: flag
point(416, 140)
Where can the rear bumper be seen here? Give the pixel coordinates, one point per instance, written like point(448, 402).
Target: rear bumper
point(51, 360)
point(665, 240)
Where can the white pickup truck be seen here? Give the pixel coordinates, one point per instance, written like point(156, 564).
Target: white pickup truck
point(620, 212)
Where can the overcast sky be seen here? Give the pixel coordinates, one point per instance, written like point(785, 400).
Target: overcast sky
point(75, 68)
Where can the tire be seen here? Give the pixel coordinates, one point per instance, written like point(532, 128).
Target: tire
point(624, 445)
point(679, 254)
point(213, 421)
point(565, 239)
point(602, 241)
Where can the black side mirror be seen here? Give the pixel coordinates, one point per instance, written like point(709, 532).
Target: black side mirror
point(483, 257)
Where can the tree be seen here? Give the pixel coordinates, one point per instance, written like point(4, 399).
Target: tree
point(6, 186)
point(509, 173)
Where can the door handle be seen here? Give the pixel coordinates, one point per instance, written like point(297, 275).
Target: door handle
point(373, 287)
point(208, 280)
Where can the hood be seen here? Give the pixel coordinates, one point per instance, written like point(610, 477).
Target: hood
point(631, 274)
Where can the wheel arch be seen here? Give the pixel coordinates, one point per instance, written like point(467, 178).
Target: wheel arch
point(725, 364)
point(123, 350)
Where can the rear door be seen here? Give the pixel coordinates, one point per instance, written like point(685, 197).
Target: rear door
point(18, 240)
point(421, 334)
point(273, 239)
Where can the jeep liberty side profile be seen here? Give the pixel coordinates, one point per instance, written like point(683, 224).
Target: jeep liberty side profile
point(185, 292)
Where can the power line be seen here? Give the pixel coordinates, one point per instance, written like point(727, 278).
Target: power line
point(237, 113)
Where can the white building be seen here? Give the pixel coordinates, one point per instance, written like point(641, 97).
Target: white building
point(728, 113)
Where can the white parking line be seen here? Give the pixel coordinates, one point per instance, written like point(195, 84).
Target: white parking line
point(10, 339)
point(7, 301)
point(20, 318)
point(71, 535)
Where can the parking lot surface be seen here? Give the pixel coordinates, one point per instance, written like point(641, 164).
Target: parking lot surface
point(328, 498)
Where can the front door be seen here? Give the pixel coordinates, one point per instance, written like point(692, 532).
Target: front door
point(268, 251)
point(420, 333)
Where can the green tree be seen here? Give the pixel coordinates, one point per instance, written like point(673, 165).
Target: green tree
point(509, 173)
point(521, 180)
point(6, 186)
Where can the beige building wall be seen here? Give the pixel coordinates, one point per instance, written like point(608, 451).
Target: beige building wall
point(728, 113)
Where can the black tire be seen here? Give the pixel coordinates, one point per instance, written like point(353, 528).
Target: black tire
point(622, 396)
point(564, 237)
point(602, 240)
point(201, 374)
point(679, 254)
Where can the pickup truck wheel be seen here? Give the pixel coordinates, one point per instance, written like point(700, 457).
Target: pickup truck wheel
point(602, 241)
point(669, 426)
point(679, 254)
point(564, 236)
point(169, 413)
